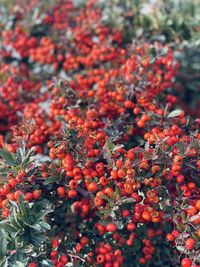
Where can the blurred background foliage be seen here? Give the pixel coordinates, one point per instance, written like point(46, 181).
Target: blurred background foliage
point(174, 22)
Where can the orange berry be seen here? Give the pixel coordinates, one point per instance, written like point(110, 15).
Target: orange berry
point(92, 187)
point(72, 193)
point(146, 215)
point(61, 191)
point(37, 194)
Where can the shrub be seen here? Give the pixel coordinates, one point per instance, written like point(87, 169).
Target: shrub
point(99, 162)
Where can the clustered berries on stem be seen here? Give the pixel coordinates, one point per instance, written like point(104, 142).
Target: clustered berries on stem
point(106, 148)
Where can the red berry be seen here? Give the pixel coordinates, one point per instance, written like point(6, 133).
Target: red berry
point(189, 243)
point(186, 262)
point(61, 191)
point(111, 227)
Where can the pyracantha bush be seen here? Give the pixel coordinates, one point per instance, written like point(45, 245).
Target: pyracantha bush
point(99, 166)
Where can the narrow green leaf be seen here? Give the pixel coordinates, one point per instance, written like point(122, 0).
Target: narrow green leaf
point(42, 214)
point(27, 158)
point(175, 113)
point(117, 190)
point(4, 262)
point(8, 157)
point(3, 243)
point(106, 198)
point(46, 263)
point(23, 208)
point(37, 240)
point(7, 227)
point(13, 204)
point(45, 225)
point(128, 200)
point(14, 219)
point(109, 145)
point(19, 264)
point(36, 227)
point(51, 180)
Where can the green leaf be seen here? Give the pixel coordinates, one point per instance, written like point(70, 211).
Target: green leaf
point(105, 212)
point(195, 236)
point(23, 208)
point(117, 147)
point(42, 214)
point(14, 219)
point(128, 200)
point(13, 204)
point(4, 262)
point(8, 157)
point(19, 264)
point(27, 158)
point(46, 263)
point(109, 145)
point(7, 227)
point(37, 240)
point(3, 243)
point(51, 180)
point(36, 226)
point(180, 147)
point(45, 225)
point(190, 165)
point(183, 215)
point(4, 171)
point(117, 190)
point(106, 198)
point(175, 113)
